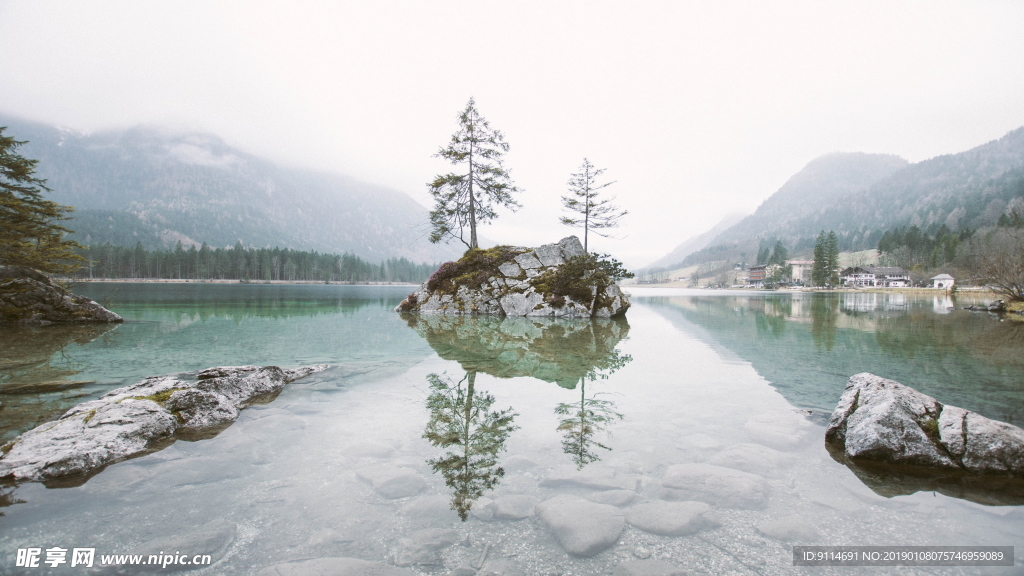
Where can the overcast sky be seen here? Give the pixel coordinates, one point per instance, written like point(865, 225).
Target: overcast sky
point(697, 109)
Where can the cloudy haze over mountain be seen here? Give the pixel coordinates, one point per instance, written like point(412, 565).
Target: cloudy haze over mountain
point(696, 109)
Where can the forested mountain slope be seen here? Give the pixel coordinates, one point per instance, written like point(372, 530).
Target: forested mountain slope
point(860, 196)
point(158, 188)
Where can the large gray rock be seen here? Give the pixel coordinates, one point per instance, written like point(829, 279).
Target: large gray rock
point(507, 288)
point(671, 518)
point(883, 421)
point(333, 567)
point(136, 419)
point(582, 527)
point(28, 297)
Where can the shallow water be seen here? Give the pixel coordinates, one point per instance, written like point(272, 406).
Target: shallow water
point(738, 381)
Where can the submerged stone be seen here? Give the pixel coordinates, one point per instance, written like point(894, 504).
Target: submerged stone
point(781, 430)
point(514, 507)
point(612, 497)
point(582, 527)
point(790, 529)
point(424, 546)
point(753, 458)
point(671, 518)
point(595, 477)
point(392, 481)
point(716, 485)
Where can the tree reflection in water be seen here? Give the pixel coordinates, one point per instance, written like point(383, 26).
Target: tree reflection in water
point(567, 352)
point(581, 422)
point(462, 422)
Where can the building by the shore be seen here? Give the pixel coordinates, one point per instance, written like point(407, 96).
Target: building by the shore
point(944, 281)
point(875, 277)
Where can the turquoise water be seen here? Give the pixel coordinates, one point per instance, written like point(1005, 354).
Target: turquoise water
point(560, 407)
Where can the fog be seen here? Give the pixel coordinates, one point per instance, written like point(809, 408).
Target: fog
point(696, 109)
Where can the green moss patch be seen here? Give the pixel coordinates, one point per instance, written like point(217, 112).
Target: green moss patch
point(573, 279)
point(159, 397)
point(474, 268)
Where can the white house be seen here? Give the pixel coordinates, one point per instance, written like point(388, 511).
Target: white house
point(944, 281)
point(801, 270)
point(875, 276)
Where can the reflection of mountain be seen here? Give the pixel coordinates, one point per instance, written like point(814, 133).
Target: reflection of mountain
point(807, 346)
point(34, 381)
point(554, 350)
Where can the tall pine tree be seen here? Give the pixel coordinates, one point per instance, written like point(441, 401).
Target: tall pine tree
point(462, 201)
point(825, 271)
point(832, 258)
point(30, 230)
point(594, 213)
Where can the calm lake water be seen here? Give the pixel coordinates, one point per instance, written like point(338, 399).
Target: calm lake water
point(339, 464)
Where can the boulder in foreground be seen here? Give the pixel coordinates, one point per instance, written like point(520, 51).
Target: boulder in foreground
point(899, 441)
point(137, 419)
point(559, 280)
point(28, 297)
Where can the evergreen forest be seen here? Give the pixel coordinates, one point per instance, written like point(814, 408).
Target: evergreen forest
point(243, 264)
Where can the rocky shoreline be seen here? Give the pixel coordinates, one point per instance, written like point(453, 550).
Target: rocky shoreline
point(29, 297)
point(134, 420)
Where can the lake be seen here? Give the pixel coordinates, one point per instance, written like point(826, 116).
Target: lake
point(360, 461)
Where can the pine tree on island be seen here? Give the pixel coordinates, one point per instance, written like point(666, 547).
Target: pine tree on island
point(465, 200)
point(592, 213)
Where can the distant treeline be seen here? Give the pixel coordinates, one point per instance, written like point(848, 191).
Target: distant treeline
point(912, 246)
point(239, 263)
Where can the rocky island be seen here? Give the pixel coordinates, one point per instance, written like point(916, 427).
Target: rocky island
point(554, 280)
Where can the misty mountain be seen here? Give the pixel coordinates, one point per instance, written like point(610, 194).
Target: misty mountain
point(695, 243)
point(154, 187)
point(860, 196)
